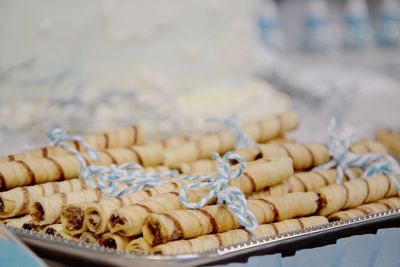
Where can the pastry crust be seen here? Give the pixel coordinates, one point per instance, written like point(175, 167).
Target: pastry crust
point(129, 220)
point(122, 137)
point(184, 224)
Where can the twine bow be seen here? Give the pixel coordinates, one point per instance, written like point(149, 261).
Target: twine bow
point(116, 180)
point(343, 159)
point(231, 196)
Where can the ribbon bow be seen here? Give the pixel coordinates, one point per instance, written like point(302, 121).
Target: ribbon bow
point(234, 125)
point(343, 159)
point(231, 196)
point(115, 180)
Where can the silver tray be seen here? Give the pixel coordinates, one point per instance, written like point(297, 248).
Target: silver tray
point(81, 254)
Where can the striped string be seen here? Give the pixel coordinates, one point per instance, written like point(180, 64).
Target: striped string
point(343, 159)
point(116, 180)
point(233, 124)
point(231, 196)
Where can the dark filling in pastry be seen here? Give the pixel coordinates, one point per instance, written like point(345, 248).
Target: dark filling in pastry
point(51, 231)
point(38, 213)
point(75, 218)
point(2, 206)
point(109, 243)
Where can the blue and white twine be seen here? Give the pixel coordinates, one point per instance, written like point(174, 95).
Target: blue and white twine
point(231, 196)
point(243, 140)
point(116, 180)
point(343, 159)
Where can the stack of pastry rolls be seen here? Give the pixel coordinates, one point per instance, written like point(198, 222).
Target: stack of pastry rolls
point(44, 194)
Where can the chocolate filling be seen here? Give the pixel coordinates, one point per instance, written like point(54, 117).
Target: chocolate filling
point(178, 230)
point(252, 182)
point(11, 158)
point(135, 134)
point(313, 161)
point(140, 160)
point(334, 218)
point(2, 182)
point(303, 184)
point(321, 203)
point(2, 206)
point(154, 228)
point(51, 231)
point(109, 243)
point(58, 167)
point(38, 212)
point(45, 152)
point(29, 170)
point(75, 218)
point(115, 219)
point(273, 208)
point(107, 140)
point(212, 220)
point(113, 160)
point(29, 226)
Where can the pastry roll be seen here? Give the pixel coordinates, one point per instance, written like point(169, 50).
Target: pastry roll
point(123, 137)
point(117, 242)
point(41, 170)
point(89, 238)
point(53, 229)
point(353, 193)
point(257, 175)
point(47, 210)
point(17, 222)
point(203, 146)
point(214, 241)
point(139, 246)
point(98, 214)
point(391, 140)
point(303, 182)
point(184, 224)
point(17, 201)
point(366, 209)
point(72, 218)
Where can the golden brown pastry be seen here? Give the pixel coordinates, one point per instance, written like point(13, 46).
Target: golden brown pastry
point(138, 246)
point(90, 238)
point(98, 214)
point(303, 182)
point(122, 137)
point(129, 220)
point(47, 210)
point(184, 224)
point(214, 241)
point(366, 209)
point(17, 201)
point(203, 146)
point(42, 170)
point(354, 193)
point(391, 140)
point(114, 241)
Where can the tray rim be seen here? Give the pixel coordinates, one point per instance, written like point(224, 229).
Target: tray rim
point(102, 255)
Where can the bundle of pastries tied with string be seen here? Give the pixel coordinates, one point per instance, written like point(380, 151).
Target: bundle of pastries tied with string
point(42, 191)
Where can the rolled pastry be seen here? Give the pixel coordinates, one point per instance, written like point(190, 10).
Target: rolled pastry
point(72, 218)
point(98, 214)
point(129, 220)
point(304, 156)
point(224, 141)
point(17, 201)
point(53, 229)
point(139, 246)
point(89, 238)
point(17, 222)
point(184, 224)
point(303, 182)
point(366, 209)
point(47, 210)
point(354, 193)
point(41, 170)
point(391, 140)
point(117, 242)
point(123, 137)
point(214, 241)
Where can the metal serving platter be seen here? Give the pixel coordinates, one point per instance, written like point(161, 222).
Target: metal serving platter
point(80, 254)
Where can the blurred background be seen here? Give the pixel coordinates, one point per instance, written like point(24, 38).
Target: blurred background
point(170, 64)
